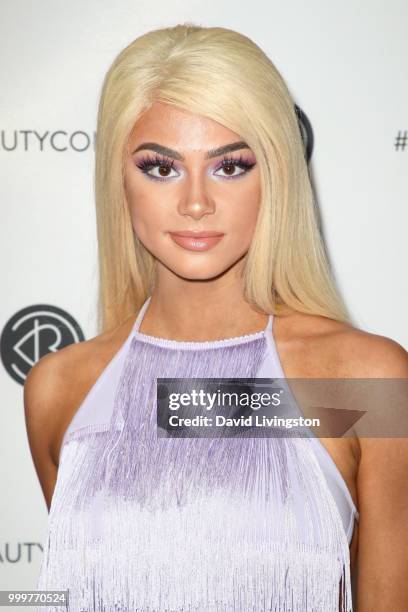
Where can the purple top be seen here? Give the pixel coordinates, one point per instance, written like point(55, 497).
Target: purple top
point(146, 523)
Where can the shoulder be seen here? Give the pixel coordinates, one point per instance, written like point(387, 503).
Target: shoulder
point(56, 384)
point(50, 392)
point(367, 355)
point(335, 349)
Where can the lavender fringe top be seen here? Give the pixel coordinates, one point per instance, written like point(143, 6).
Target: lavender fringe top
point(140, 523)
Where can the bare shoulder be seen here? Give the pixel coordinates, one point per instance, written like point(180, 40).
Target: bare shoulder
point(367, 355)
point(329, 348)
point(53, 390)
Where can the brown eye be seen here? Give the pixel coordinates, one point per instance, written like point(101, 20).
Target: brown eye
point(228, 168)
point(164, 170)
point(157, 168)
point(232, 167)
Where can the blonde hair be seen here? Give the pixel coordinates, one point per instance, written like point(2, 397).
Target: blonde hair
point(223, 75)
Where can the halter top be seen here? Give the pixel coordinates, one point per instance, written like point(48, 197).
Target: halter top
point(142, 523)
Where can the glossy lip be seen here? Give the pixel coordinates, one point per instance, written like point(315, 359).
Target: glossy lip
point(196, 241)
point(196, 234)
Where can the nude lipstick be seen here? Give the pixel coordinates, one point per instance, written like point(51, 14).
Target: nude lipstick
point(196, 241)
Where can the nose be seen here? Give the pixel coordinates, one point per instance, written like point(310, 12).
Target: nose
point(195, 199)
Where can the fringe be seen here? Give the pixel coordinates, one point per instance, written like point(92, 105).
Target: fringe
point(146, 524)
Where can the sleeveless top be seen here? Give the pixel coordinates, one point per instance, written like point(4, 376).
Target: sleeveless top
point(142, 523)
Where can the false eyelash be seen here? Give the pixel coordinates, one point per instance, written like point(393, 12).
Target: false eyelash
point(233, 161)
point(148, 162)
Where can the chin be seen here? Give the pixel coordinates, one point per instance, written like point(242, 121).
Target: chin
point(197, 270)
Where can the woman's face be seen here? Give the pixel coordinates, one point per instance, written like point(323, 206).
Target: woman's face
point(187, 173)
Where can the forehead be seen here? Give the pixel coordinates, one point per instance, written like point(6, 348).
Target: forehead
point(179, 127)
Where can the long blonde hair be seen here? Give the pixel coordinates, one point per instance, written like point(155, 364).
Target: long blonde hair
point(223, 75)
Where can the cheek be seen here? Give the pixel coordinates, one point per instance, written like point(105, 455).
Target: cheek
point(143, 208)
point(244, 212)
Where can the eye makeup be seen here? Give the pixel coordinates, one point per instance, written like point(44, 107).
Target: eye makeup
point(149, 162)
point(162, 163)
point(241, 162)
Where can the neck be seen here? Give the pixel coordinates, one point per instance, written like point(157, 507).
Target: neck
point(199, 314)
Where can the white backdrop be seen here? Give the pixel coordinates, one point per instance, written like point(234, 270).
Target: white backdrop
point(345, 64)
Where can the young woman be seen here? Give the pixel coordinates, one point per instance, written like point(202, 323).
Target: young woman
point(211, 265)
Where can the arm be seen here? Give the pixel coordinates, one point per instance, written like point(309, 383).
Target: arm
point(382, 485)
point(41, 402)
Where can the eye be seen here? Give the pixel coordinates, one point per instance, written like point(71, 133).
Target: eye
point(162, 167)
point(229, 165)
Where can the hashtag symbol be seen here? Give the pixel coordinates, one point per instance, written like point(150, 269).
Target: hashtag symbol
point(401, 140)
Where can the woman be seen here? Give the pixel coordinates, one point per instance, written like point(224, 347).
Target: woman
point(211, 265)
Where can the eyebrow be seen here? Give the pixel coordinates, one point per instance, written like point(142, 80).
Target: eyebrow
point(154, 146)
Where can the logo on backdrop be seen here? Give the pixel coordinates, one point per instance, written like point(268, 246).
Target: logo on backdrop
point(19, 552)
point(401, 140)
point(33, 332)
point(59, 140)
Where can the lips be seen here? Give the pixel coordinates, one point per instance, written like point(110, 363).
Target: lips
point(196, 234)
point(196, 241)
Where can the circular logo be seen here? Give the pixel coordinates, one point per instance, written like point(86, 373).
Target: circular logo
point(33, 332)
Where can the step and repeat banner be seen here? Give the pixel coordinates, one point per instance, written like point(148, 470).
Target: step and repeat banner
point(345, 64)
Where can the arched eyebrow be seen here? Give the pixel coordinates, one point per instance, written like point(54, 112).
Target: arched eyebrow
point(154, 146)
